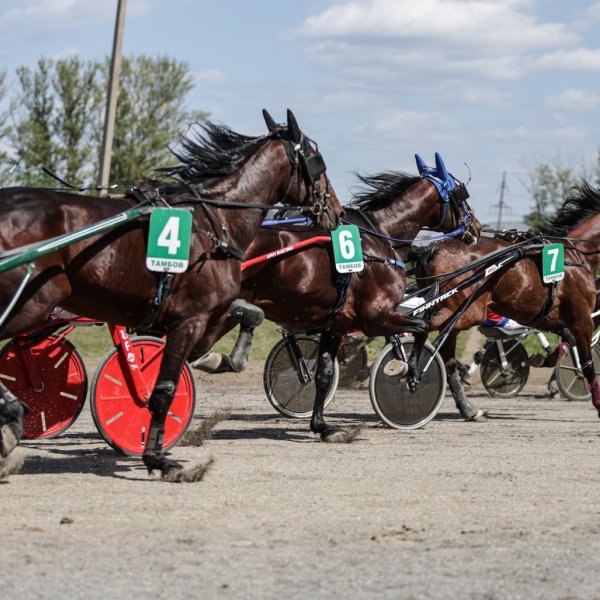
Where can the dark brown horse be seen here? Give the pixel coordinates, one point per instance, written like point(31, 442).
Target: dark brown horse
point(304, 291)
point(228, 181)
point(518, 291)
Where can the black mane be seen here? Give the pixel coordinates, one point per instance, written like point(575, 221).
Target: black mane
point(582, 204)
point(381, 189)
point(209, 152)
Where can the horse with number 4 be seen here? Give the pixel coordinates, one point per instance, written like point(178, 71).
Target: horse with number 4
point(92, 255)
point(359, 285)
point(550, 286)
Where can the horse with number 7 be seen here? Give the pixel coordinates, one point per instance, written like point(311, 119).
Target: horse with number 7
point(532, 291)
point(225, 182)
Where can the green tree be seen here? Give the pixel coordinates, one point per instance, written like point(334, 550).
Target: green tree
point(150, 115)
point(5, 164)
point(548, 185)
point(31, 135)
point(58, 118)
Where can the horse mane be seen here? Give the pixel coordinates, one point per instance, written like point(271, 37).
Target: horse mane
point(381, 189)
point(581, 204)
point(209, 152)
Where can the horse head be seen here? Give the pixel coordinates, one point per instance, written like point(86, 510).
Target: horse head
point(453, 194)
point(308, 180)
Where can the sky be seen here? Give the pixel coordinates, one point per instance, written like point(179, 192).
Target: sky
point(494, 86)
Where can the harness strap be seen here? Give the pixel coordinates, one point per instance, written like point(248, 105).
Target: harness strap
point(342, 282)
point(163, 291)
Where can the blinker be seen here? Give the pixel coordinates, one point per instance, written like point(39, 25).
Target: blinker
point(460, 193)
point(315, 166)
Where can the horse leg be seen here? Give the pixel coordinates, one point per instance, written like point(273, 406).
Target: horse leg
point(11, 421)
point(468, 411)
point(328, 347)
point(586, 362)
point(568, 339)
point(180, 341)
point(249, 317)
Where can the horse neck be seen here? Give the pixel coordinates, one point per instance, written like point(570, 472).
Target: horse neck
point(589, 233)
point(263, 179)
point(406, 215)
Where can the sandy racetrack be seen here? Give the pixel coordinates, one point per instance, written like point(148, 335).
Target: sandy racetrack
point(503, 509)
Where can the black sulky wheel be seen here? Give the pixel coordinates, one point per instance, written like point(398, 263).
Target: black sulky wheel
point(289, 375)
point(504, 368)
point(391, 397)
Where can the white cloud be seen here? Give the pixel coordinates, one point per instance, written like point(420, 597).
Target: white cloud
point(47, 13)
point(392, 129)
point(573, 99)
point(544, 133)
point(465, 22)
point(484, 96)
point(483, 38)
point(579, 59)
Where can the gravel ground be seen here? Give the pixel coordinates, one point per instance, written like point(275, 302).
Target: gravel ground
point(502, 509)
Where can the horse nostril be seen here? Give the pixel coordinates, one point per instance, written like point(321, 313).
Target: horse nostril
point(342, 213)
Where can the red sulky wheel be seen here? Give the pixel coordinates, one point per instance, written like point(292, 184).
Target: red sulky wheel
point(122, 421)
point(49, 376)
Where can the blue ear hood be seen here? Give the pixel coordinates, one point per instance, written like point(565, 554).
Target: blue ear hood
point(440, 168)
point(443, 181)
point(421, 164)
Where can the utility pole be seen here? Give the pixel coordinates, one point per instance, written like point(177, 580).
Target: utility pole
point(111, 103)
point(501, 204)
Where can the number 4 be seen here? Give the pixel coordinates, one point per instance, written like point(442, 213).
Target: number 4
point(169, 236)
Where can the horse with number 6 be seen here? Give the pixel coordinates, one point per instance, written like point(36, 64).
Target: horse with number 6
point(227, 181)
point(519, 292)
point(304, 290)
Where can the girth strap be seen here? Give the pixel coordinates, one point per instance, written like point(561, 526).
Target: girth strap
point(163, 291)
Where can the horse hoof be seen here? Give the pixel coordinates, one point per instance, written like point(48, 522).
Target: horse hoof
point(478, 417)
point(337, 435)
point(160, 463)
point(396, 368)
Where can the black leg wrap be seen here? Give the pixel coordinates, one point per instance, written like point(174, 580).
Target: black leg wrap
point(239, 355)
point(159, 404)
point(466, 409)
point(245, 313)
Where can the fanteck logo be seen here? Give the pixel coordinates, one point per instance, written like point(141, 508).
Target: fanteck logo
point(435, 301)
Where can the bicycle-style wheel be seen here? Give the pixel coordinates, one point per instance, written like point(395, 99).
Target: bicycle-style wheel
point(121, 421)
point(391, 397)
point(289, 376)
point(508, 379)
point(570, 380)
point(49, 376)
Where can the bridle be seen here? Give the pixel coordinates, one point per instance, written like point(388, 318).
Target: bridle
point(453, 194)
point(306, 165)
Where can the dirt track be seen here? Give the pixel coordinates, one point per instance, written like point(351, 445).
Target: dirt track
point(504, 509)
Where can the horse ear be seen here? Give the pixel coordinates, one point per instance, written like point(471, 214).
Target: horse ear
point(440, 168)
point(269, 120)
point(421, 165)
point(293, 129)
